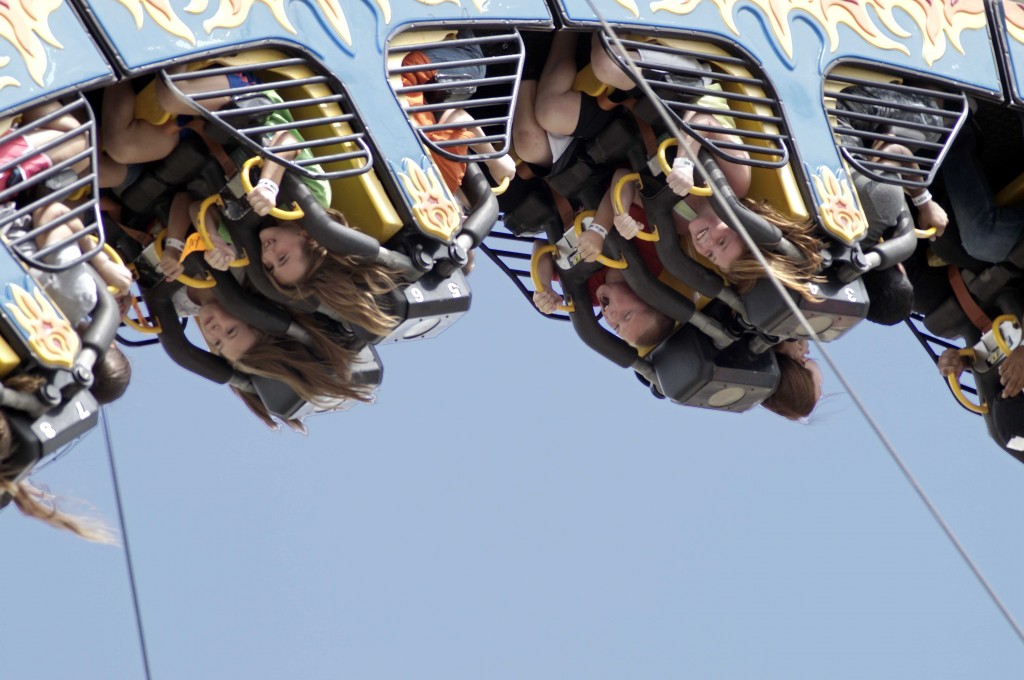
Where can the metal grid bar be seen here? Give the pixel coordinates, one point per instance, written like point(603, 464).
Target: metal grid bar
point(497, 90)
point(766, 144)
point(922, 119)
point(75, 176)
point(357, 154)
point(928, 341)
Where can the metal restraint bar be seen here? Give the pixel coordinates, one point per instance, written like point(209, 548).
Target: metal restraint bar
point(512, 254)
point(489, 99)
point(929, 342)
point(922, 119)
point(73, 178)
point(245, 121)
point(750, 98)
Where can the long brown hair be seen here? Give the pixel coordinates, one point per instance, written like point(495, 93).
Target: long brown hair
point(796, 396)
point(794, 274)
point(319, 374)
point(348, 285)
point(259, 409)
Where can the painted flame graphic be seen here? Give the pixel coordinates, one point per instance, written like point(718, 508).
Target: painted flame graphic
point(24, 24)
point(50, 335)
point(1014, 12)
point(479, 4)
point(434, 209)
point(162, 13)
point(940, 22)
point(234, 13)
point(837, 207)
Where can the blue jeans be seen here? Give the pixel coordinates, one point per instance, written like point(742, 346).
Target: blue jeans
point(988, 232)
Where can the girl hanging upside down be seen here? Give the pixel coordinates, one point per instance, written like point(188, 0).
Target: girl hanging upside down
point(352, 287)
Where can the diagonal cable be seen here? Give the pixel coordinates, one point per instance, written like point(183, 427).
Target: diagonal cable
point(674, 129)
point(124, 536)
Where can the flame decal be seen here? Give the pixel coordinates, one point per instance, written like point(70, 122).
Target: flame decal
point(48, 332)
point(434, 209)
point(336, 17)
point(837, 207)
point(479, 4)
point(631, 6)
point(163, 14)
point(24, 24)
point(233, 13)
point(936, 20)
point(1014, 12)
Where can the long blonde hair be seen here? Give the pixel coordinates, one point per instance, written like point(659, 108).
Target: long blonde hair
point(794, 274)
point(348, 285)
point(42, 505)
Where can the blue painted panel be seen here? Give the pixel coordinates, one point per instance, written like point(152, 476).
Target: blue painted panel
point(48, 51)
point(794, 43)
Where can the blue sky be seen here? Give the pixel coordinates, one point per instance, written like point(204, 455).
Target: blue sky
point(514, 506)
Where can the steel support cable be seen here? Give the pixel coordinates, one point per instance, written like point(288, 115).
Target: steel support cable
point(124, 537)
point(674, 129)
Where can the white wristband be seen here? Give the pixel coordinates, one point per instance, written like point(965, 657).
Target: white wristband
point(921, 198)
point(176, 243)
point(682, 162)
point(597, 228)
point(269, 183)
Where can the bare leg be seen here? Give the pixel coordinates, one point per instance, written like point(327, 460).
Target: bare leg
point(558, 105)
point(169, 102)
point(130, 140)
point(529, 139)
point(607, 69)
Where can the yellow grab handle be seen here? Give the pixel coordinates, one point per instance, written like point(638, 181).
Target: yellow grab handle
point(201, 228)
point(137, 323)
point(537, 283)
point(189, 281)
point(651, 235)
point(577, 226)
point(279, 213)
point(113, 255)
point(500, 189)
point(954, 385)
point(925, 233)
point(997, 333)
point(666, 168)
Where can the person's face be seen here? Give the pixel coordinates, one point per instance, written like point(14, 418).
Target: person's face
point(799, 350)
point(283, 253)
point(713, 239)
point(224, 333)
point(628, 315)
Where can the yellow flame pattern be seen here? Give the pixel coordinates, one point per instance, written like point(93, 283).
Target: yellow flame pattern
point(939, 22)
point(25, 24)
point(50, 334)
point(163, 14)
point(838, 208)
point(1014, 12)
point(434, 209)
point(234, 13)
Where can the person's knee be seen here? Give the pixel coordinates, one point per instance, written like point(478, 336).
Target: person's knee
point(531, 143)
point(607, 70)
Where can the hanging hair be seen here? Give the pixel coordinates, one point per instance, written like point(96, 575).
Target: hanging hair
point(35, 502)
point(319, 374)
point(44, 506)
point(795, 397)
point(348, 285)
point(259, 409)
point(793, 274)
